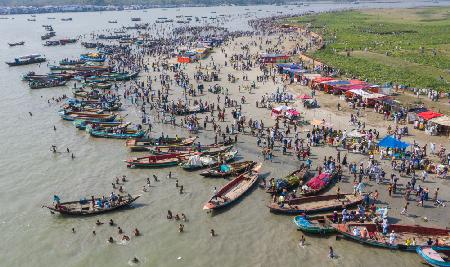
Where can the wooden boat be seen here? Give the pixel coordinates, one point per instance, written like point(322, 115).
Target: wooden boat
point(232, 169)
point(46, 84)
point(32, 76)
point(123, 133)
point(314, 225)
point(105, 86)
point(435, 256)
point(71, 62)
point(26, 60)
point(321, 224)
point(157, 161)
point(197, 162)
point(85, 207)
point(144, 144)
point(233, 190)
point(299, 175)
point(94, 57)
point(16, 44)
point(205, 150)
point(81, 124)
point(48, 35)
point(376, 238)
point(319, 183)
point(71, 116)
point(315, 204)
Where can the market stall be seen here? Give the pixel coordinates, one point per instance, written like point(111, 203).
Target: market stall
point(392, 147)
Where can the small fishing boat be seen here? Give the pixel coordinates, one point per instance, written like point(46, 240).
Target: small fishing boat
point(52, 43)
point(435, 256)
point(26, 60)
point(233, 190)
point(402, 233)
point(32, 76)
point(315, 204)
point(144, 144)
point(321, 224)
point(135, 19)
point(81, 124)
point(157, 161)
point(48, 35)
point(116, 132)
point(204, 161)
point(16, 44)
point(205, 150)
point(226, 170)
point(46, 84)
point(71, 116)
point(94, 57)
point(104, 86)
point(289, 182)
point(71, 62)
point(92, 207)
point(112, 21)
point(318, 184)
point(89, 45)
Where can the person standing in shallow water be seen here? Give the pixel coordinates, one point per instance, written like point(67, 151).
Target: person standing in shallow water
point(331, 254)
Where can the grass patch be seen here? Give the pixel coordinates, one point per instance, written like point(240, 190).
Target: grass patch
point(405, 46)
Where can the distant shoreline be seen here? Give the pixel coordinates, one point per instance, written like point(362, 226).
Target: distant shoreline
point(48, 9)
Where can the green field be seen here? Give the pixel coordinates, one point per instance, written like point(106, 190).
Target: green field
point(404, 46)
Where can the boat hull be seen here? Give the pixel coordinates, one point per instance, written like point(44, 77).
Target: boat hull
point(82, 212)
point(304, 225)
point(428, 254)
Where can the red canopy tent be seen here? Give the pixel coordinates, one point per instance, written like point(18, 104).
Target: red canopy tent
point(357, 82)
point(345, 88)
point(428, 115)
point(323, 79)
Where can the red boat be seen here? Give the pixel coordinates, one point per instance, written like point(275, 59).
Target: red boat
point(318, 184)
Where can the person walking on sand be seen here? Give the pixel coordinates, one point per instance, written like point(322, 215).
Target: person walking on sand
point(405, 209)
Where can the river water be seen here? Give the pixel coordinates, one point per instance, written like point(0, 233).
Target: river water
point(248, 235)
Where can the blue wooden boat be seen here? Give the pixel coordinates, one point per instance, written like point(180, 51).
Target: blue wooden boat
point(81, 124)
point(435, 256)
point(93, 57)
point(319, 225)
point(115, 135)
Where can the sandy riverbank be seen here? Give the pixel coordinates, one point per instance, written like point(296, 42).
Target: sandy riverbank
point(327, 111)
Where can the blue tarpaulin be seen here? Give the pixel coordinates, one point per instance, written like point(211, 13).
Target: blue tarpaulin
point(391, 142)
point(340, 82)
point(225, 168)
